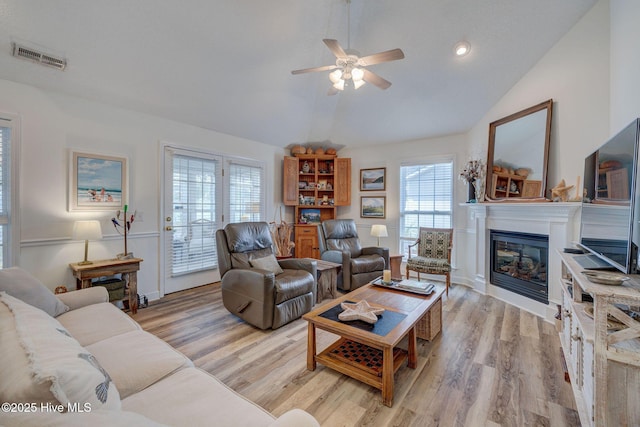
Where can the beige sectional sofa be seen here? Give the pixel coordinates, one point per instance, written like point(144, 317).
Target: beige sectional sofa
point(94, 365)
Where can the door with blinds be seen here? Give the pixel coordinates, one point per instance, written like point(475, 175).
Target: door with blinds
point(192, 214)
point(202, 193)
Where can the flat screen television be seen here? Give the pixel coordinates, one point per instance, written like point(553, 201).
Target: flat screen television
point(609, 228)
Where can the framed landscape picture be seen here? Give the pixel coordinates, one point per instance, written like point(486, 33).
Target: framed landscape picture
point(97, 182)
point(373, 179)
point(373, 207)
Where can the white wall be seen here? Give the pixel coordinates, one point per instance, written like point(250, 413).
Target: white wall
point(625, 63)
point(392, 156)
point(574, 73)
point(51, 125)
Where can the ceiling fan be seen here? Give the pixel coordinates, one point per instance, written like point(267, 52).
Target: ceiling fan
point(350, 67)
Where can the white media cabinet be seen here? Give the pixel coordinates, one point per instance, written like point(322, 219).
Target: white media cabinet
point(603, 351)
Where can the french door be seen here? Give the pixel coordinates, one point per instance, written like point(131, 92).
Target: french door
point(192, 213)
point(202, 192)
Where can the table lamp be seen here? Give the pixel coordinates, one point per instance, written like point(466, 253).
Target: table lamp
point(86, 230)
point(379, 230)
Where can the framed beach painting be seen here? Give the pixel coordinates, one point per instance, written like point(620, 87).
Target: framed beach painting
point(373, 179)
point(373, 207)
point(97, 182)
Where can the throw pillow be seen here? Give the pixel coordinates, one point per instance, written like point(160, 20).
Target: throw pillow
point(269, 263)
point(55, 358)
point(20, 284)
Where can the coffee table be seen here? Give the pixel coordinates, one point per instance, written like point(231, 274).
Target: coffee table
point(365, 352)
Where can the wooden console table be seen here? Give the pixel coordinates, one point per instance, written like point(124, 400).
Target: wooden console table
point(109, 267)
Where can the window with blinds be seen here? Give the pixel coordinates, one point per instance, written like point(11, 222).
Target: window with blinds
point(204, 199)
point(246, 195)
point(5, 141)
point(426, 199)
point(195, 182)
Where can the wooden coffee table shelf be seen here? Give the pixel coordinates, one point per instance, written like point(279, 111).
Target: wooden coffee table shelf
point(382, 357)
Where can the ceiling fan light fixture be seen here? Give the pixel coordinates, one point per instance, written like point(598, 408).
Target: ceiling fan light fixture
point(358, 84)
point(335, 76)
point(357, 74)
point(339, 84)
point(462, 48)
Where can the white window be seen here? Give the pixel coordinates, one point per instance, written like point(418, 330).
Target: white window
point(8, 143)
point(426, 198)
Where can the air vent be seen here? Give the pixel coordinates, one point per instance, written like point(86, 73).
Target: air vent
point(39, 57)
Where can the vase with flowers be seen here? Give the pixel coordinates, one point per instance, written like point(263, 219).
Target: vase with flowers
point(474, 174)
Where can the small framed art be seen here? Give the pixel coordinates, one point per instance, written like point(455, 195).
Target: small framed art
point(373, 179)
point(373, 207)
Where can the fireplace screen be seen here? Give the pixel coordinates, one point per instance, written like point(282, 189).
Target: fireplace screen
point(519, 263)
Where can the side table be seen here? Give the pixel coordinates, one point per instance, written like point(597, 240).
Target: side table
point(327, 279)
point(109, 267)
point(395, 262)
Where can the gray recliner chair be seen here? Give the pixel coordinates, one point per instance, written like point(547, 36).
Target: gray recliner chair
point(339, 243)
point(255, 286)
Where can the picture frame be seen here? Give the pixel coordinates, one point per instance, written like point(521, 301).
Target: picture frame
point(97, 182)
point(309, 216)
point(373, 179)
point(373, 207)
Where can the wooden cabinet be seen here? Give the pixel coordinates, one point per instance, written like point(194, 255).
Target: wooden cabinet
point(315, 185)
point(600, 337)
point(306, 239)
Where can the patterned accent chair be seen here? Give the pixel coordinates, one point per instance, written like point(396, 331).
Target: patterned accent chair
point(434, 253)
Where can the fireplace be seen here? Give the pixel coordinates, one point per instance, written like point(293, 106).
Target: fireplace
point(519, 263)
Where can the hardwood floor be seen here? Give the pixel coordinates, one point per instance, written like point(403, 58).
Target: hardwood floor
point(493, 365)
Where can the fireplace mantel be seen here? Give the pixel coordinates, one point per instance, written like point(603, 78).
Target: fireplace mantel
point(556, 220)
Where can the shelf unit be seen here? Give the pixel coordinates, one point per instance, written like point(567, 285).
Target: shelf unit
point(613, 184)
point(502, 184)
point(601, 344)
point(315, 185)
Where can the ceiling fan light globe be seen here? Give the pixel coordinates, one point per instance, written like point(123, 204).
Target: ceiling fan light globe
point(462, 48)
point(339, 84)
point(335, 76)
point(357, 74)
point(358, 84)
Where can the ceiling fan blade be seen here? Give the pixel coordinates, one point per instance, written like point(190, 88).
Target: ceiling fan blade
point(335, 48)
point(311, 70)
point(375, 79)
point(386, 56)
point(332, 91)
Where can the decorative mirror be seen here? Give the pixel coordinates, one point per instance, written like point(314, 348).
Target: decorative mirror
point(518, 154)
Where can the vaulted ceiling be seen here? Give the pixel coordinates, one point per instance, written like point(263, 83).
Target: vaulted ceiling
point(225, 65)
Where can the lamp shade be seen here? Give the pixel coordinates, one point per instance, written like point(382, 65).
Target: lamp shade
point(87, 230)
point(379, 230)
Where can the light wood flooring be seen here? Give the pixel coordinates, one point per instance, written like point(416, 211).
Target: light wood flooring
point(493, 365)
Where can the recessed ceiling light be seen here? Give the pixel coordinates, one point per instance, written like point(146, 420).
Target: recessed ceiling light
point(462, 48)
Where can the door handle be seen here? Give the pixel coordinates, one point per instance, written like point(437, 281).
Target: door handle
point(168, 228)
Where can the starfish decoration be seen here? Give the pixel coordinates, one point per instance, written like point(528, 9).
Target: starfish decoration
point(359, 311)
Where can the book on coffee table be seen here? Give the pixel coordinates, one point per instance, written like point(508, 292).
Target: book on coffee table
point(407, 285)
point(416, 286)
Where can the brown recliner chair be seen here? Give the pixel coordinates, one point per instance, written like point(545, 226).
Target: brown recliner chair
point(255, 286)
point(339, 243)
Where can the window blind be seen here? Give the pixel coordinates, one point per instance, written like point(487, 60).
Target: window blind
point(196, 181)
point(426, 199)
point(246, 193)
point(5, 138)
